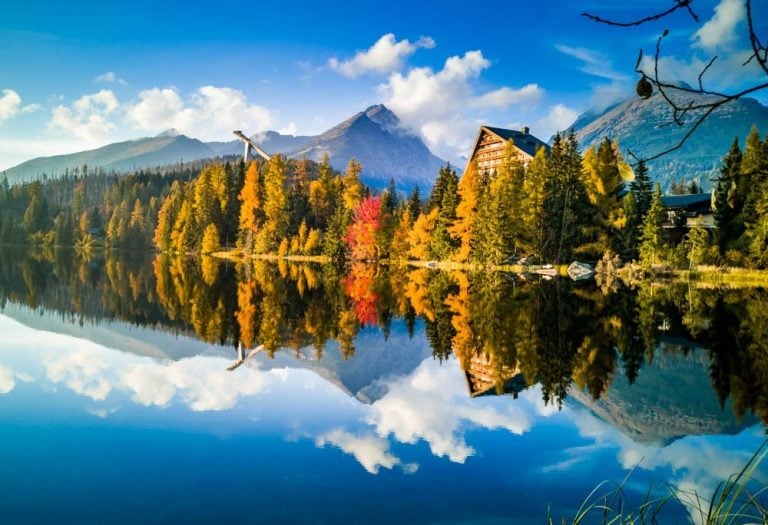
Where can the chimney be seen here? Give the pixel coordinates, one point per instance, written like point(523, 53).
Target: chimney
point(525, 130)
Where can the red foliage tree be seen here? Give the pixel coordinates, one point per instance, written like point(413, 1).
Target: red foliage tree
point(362, 232)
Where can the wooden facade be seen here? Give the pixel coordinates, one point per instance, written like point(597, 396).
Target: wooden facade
point(491, 145)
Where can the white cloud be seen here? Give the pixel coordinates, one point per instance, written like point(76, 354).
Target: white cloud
point(10, 105)
point(211, 112)
point(385, 56)
point(370, 451)
point(110, 77)
point(592, 62)
point(288, 129)
point(443, 105)
point(558, 118)
point(727, 72)
point(88, 118)
point(720, 30)
point(505, 97)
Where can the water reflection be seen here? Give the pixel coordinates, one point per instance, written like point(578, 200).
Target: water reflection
point(507, 334)
point(402, 372)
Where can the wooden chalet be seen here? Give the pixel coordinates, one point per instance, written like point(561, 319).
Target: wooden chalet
point(485, 377)
point(491, 144)
point(683, 211)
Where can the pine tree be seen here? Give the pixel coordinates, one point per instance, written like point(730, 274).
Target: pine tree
point(604, 185)
point(652, 242)
point(728, 205)
point(414, 203)
point(565, 204)
point(531, 206)
point(441, 245)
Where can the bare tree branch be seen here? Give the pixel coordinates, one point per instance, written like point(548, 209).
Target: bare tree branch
point(688, 106)
point(679, 4)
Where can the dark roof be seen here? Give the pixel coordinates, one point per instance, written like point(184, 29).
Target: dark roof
point(525, 141)
point(686, 201)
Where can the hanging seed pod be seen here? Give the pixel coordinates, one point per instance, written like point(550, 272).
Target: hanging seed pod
point(644, 88)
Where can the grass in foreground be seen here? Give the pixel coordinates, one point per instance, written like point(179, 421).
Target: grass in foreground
point(737, 500)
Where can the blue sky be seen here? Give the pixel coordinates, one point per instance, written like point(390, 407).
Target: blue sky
point(79, 76)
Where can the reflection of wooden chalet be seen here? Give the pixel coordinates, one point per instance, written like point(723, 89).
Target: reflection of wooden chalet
point(491, 143)
point(686, 210)
point(485, 378)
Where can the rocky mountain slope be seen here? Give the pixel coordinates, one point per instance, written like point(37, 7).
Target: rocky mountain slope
point(164, 149)
point(374, 137)
point(639, 125)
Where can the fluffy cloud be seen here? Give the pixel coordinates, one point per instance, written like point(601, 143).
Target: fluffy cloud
point(10, 105)
point(370, 451)
point(110, 77)
point(211, 112)
point(558, 118)
point(88, 118)
point(720, 30)
point(434, 103)
point(385, 56)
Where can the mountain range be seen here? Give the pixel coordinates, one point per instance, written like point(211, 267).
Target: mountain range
point(375, 137)
point(641, 126)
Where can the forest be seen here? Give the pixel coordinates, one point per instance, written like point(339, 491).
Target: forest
point(560, 206)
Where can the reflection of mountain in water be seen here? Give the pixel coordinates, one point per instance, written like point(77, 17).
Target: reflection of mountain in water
point(672, 398)
point(365, 375)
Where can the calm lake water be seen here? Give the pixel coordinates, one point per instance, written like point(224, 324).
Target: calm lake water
point(130, 391)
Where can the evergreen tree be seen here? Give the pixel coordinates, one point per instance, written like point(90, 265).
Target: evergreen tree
point(531, 209)
point(565, 204)
point(604, 185)
point(414, 203)
point(652, 241)
point(441, 245)
point(728, 205)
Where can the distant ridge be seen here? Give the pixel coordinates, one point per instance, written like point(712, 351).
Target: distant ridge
point(375, 137)
point(163, 149)
point(639, 126)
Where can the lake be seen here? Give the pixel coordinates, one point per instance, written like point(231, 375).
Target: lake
point(165, 390)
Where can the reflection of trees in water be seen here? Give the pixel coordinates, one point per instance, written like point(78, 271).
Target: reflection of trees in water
point(505, 333)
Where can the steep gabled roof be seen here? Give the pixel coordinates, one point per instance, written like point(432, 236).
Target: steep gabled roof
point(686, 201)
point(525, 141)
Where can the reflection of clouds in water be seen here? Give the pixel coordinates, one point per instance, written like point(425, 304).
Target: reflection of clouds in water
point(81, 370)
point(697, 463)
point(432, 404)
point(201, 383)
point(371, 451)
point(7, 379)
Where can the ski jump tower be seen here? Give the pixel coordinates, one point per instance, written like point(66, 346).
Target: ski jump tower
point(249, 144)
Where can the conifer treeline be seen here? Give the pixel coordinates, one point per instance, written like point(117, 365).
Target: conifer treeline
point(556, 207)
point(560, 206)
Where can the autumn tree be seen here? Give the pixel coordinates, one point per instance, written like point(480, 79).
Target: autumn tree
point(363, 229)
